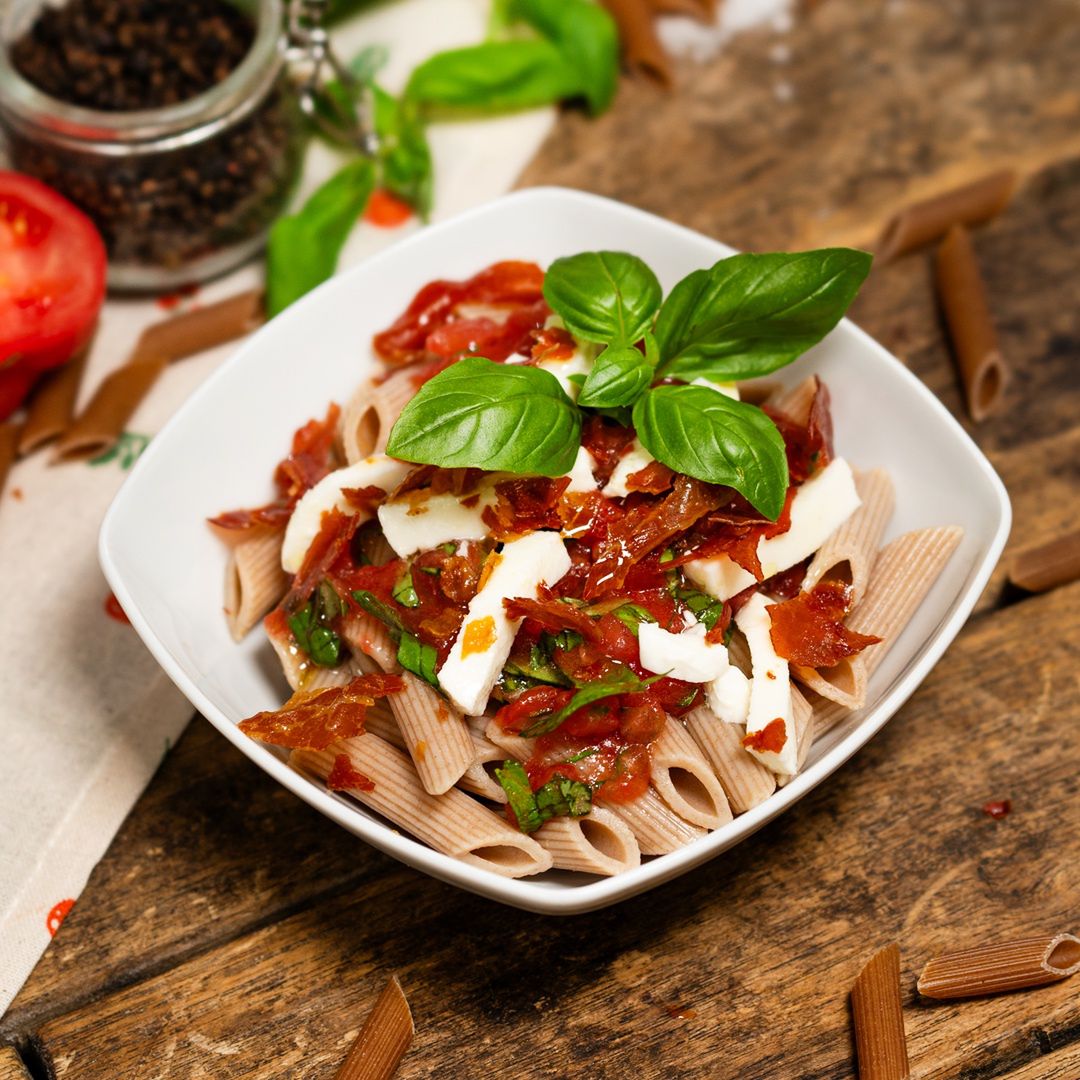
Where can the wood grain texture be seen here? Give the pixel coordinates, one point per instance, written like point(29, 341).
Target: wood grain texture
point(11, 1066)
point(781, 924)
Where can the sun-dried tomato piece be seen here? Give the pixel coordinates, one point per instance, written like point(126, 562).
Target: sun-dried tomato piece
point(313, 719)
point(654, 479)
point(345, 776)
point(809, 630)
point(607, 441)
point(525, 504)
point(772, 738)
point(819, 428)
point(365, 500)
point(552, 343)
point(330, 545)
point(553, 615)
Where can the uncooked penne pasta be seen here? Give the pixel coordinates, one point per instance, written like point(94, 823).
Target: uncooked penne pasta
point(371, 412)
point(53, 405)
point(453, 822)
point(656, 826)
point(254, 580)
point(879, 1021)
point(1003, 966)
point(685, 780)
point(745, 780)
point(849, 554)
point(601, 842)
point(476, 777)
point(903, 574)
point(384, 1039)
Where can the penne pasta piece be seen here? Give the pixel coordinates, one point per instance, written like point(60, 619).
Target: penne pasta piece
point(384, 1039)
point(924, 222)
point(513, 746)
point(254, 580)
point(702, 10)
point(364, 634)
point(9, 436)
point(379, 721)
point(641, 48)
point(903, 575)
point(453, 822)
point(435, 735)
point(795, 401)
point(879, 1021)
point(802, 715)
point(960, 289)
point(301, 674)
point(53, 405)
point(476, 778)
point(745, 780)
point(849, 554)
point(657, 828)
point(1047, 566)
point(370, 414)
point(598, 843)
point(999, 968)
point(685, 780)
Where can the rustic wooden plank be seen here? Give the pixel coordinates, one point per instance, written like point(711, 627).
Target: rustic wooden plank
point(1063, 1065)
point(11, 1066)
point(740, 968)
point(871, 106)
point(213, 848)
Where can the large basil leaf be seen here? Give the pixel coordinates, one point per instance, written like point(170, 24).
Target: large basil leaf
point(617, 378)
point(607, 296)
point(695, 430)
point(303, 249)
point(751, 314)
point(493, 76)
point(586, 36)
point(483, 415)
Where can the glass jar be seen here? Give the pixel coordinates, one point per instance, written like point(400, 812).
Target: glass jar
point(180, 193)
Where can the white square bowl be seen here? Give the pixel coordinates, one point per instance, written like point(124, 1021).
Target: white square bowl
point(220, 449)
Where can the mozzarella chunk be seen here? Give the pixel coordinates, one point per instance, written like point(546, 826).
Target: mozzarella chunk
point(729, 696)
point(770, 687)
point(487, 634)
point(419, 520)
point(580, 363)
point(634, 460)
point(376, 471)
point(581, 475)
point(728, 389)
point(819, 508)
point(687, 655)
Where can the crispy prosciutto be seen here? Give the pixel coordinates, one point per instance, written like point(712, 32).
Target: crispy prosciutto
point(313, 719)
point(809, 630)
point(344, 776)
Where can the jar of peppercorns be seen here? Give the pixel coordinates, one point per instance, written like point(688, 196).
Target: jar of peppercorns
point(172, 125)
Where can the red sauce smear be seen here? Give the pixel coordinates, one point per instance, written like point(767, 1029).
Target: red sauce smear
point(344, 776)
point(115, 611)
point(770, 739)
point(386, 210)
point(998, 809)
point(809, 629)
point(57, 914)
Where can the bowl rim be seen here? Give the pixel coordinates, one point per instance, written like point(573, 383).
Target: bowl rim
point(537, 896)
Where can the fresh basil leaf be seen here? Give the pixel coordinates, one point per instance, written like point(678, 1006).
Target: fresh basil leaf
point(707, 435)
point(538, 670)
point(383, 612)
point(581, 755)
point(632, 616)
point(404, 592)
point(751, 314)
point(706, 609)
point(618, 377)
point(619, 683)
point(329, 604)
point(564, 639)
point(403, 150)
point(606, 296)
point(418, 657)
point(563, 797)
point(495, 76)
point(519, 795)
point(587, 37)
point(303, 248)
point(321, 644)
point(500, 417)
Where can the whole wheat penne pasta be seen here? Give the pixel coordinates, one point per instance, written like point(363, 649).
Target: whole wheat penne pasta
point(600, 842)
point(802, 715)
point(642, 51)
point(1001, 967)
point(379, 721)
point(364, 633)
point(384, 1039)
point(254, 580)
point(795, 401)
point(903, 574)
point(367, 419)
point(656, 826)
point(1057, 562)
point(849, 554)
point(452, 822)
point(685, 780)
point(879, 1021)
point(53, 405)
point(513, 746)
point(745, 780)
point(9, 435)
point(476, 778)
point(701, 10)
point(301, 673)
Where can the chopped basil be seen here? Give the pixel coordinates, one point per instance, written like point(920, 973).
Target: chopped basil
point(559, 797)
point(413, 654)
point(623, 682)
point(537, 670)
point(404, 593)
point(310, 626)
point(582, 755)
point(519, 794)
point(707, 609)
point(564, 639)
point(632, 616)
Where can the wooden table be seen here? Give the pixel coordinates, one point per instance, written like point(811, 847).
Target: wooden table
point(230, 931)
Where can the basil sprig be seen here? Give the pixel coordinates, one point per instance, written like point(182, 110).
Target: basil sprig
point(311, 629)
point(745, 316)
point(559, 797)
point(413, 654)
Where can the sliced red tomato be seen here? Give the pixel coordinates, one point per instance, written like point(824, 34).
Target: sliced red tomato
point(52, 283)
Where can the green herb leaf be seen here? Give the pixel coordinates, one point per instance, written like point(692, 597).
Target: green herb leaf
point(586, 36)
point(413, 654)
point(519, 794)
point(707, 609)
point(561, 797)
point(403, 150)
point(404, 592)
point(321, 644)
point(495, 76)
point(632, 616)
point(618, 377)
point(606, 296)
point(303, 248)
point(500, 417)
point(751, 314)
point(707, 435)
point(563, 639)
point(619, 683)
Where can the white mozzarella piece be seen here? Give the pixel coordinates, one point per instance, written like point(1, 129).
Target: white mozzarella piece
point(729, 696)
point(376, 471)
point(580, 363)
point(686, 655)
point(728, 389)
point(770, 686)
point(819, 508)
point(487, 634)
point(581, 475)
point(420, 520)
point(634, 460)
